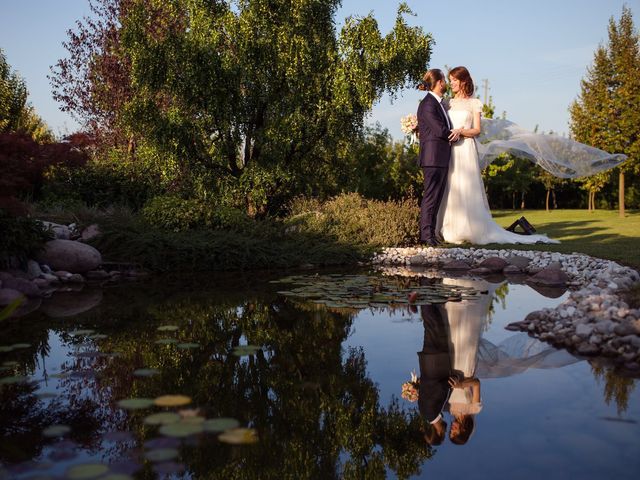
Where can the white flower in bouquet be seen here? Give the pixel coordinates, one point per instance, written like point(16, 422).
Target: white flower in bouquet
point(409, 126)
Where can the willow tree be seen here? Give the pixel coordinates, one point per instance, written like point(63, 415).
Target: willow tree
point(262, 94)
point(606, 114)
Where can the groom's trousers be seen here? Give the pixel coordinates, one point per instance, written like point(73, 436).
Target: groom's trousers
point(435, 183)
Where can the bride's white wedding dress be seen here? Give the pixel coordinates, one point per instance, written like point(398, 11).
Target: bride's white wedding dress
point(464, 213)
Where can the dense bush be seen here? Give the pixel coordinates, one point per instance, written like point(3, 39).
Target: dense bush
point(20, 238)
point(115, 179)
point(177, 214)
point(350, 218)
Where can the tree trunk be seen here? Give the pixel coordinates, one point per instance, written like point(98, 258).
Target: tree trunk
point(513, 200)
point(555, 200)
point(521, 200)
point(621, 194)
point(546, 203)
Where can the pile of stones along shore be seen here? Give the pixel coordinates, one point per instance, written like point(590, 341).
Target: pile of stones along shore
point(66, 264)
point(594, 320)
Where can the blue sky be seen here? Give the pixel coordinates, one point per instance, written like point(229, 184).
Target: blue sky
point(533, 53)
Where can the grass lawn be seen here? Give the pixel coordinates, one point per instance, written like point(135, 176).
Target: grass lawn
point(600, 234)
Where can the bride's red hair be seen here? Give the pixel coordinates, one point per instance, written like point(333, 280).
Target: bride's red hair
point(462, 74)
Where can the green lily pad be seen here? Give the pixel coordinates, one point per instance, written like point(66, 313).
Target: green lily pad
point(239, 436)
point(13, 379)
point(167, 328)
point(16, 346)
point(146, 372)
point(161, 454)
point(243, 350)
point(98, 336)
point(5, 348)
point(10, 363)
point(172, 400)
point(56, 430)
point(135, 403)
point(181, 429)
point(86, 331)
point(87, 470)
point(163, 418)
point(166, 341)
point(186, 346)
point(220, 424)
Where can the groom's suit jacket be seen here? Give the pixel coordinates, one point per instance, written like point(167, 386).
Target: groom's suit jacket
point(435, 362)
point(435, 150)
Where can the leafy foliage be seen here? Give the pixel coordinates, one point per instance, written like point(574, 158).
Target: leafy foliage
point(20, 238)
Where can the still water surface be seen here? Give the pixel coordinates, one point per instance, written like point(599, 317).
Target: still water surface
point(319, 386)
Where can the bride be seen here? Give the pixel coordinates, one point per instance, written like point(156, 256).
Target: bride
point(464, 215)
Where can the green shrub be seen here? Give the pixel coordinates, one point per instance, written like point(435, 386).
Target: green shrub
point(176, 214)
point(20, 238)
point(356, 220)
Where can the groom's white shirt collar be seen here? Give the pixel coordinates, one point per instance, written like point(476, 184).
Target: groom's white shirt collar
point(438, 97)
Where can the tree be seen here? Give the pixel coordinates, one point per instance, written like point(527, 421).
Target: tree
point(260, 94)
point(550, 182)
point(13, 96)
point(93, 83)
point(606, 114)
point(593, 185)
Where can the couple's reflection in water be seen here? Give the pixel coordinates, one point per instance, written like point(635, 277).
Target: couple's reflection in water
point(454, 357)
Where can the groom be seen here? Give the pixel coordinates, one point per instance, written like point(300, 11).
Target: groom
point(436, 136)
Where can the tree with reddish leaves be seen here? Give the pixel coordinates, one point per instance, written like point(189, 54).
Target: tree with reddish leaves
point(93, 83)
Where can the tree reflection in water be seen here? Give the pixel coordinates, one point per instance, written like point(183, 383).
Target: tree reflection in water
point(316, 411)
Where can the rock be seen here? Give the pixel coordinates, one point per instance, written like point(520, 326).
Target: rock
point(516, 326)
point(33, 269)
point(61, 232)
point(91, 232)
point(480, 271)
point(512, 270)
point(584, 329)
point(97, 275)
point(549, 277)
point(8, 295)
point(76, 278)
point(587, 349)
point(494, 264)
point(624, 328)
point(41, 283)
point(23, 286)
point(62, 275)
point(418, 260)
point(456, 265)
point(66, 304)
point(518, 261)
point(50, 277)
point(74, 257)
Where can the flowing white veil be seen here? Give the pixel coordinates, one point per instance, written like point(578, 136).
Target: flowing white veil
point(560, 156)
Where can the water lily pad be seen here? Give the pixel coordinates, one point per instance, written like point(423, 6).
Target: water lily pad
point(135, 403)
point(168, 468)
point(166, 341)
point(242, 350)
point(167, 328)
point(146, 372)
point(161, 454)
point(186, 346)
point(5, 348)
point(45, 395)
point(181, 429)
point(98, 336)
point(16, 346)
point(220, 424)
point(56, 431)
point(86, 331)
point(13, 379)
point(87, 470)
point(163, 418)
point(117, 476)
point(10, 363)
point(195, 420)
point(172, 400)
point(239, 436)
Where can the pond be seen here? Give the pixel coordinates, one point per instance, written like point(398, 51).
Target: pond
point(305, 375)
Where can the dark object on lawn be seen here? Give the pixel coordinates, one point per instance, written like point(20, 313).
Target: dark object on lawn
point(524, 224)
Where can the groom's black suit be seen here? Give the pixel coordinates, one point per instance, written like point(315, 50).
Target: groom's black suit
point(435, 362)
point(435, 153)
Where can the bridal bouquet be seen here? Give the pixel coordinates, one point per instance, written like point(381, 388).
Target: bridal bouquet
point(409, 126)
point(410, 388)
